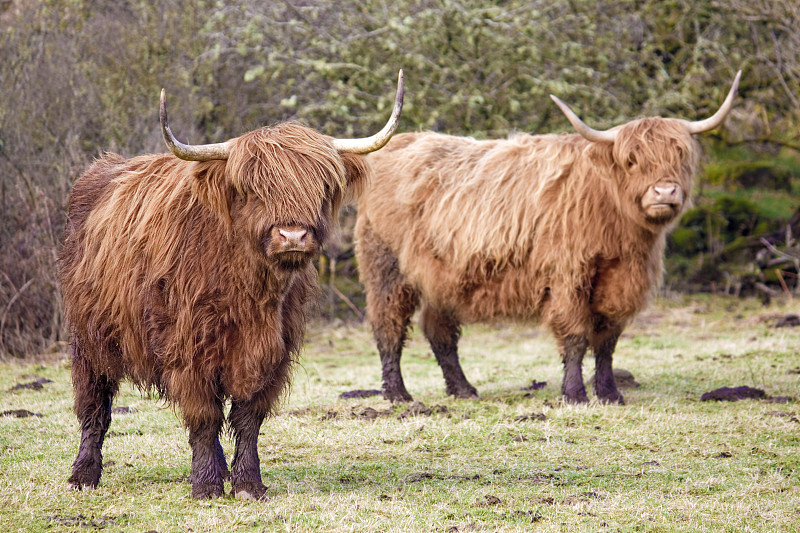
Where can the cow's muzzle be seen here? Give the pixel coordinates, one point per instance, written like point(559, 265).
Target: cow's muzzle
point(291, 245)
point(663, 201)
point(292, 240)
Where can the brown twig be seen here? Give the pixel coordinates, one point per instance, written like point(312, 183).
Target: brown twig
point(349, 303)
point(783, 283)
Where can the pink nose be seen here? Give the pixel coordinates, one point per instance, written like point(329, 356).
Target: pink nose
point(292, 237)
point(666, 192)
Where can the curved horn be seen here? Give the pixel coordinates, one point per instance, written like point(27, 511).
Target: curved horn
point(585, 131)
point(198, 152)
point(370, 144)
point(717, 118)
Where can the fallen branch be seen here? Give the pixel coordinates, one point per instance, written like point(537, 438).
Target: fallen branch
point(774, 250)
point(763, 288)
point(349, 303)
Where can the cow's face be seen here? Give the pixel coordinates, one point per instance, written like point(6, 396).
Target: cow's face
point(283, 244)
point(289, 182)
point(656, 160)
point(280, 187)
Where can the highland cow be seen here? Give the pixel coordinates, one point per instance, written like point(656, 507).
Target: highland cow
point(190, 275)
point(563, 230)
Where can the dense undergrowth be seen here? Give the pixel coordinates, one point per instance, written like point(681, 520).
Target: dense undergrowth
point(81, 77)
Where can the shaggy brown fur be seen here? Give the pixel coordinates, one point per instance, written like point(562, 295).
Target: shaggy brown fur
point(548, 228)
point(190, 278)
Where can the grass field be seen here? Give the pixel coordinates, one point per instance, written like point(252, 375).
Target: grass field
point(518, 460)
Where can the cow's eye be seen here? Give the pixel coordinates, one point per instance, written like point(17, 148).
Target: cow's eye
point(631, 162)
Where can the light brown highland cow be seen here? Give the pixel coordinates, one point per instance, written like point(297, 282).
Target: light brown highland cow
point(189, 275)
point(565, 230)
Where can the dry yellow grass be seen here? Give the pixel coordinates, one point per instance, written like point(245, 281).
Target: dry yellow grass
point(664, 462)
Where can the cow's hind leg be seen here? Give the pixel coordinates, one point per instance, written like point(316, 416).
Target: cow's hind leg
point(604, 342)
point(391, 302)
point(573, 348)
point(93, 395)
point(443, 331)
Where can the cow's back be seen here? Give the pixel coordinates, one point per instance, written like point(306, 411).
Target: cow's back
point(89, 189)
point(465, 200)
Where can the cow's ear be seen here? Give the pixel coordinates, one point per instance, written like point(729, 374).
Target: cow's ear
point(213, 189)
point(357, 175)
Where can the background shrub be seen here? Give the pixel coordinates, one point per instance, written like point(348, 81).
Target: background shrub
point(80, 77)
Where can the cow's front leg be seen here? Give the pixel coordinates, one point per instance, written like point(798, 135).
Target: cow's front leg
point(391, 301)
point(603, 345)
point(573, 348)
point(209, 469)
point(245, 420)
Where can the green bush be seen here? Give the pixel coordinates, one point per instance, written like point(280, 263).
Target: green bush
point(765, 174)
point(80, 77)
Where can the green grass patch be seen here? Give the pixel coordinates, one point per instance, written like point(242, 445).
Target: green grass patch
point(517, 460)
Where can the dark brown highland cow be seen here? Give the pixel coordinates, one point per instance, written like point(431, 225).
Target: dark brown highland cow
point(189, 276)
point(565, 230)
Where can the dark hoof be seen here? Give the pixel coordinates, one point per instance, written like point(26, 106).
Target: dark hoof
point(465, 393)
point(80, 480)
point(206, 491)
point(397, 396)
point(575, 398)
point(613, 398)
point(573, 391)
point(250, 490)
point(77, 485)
